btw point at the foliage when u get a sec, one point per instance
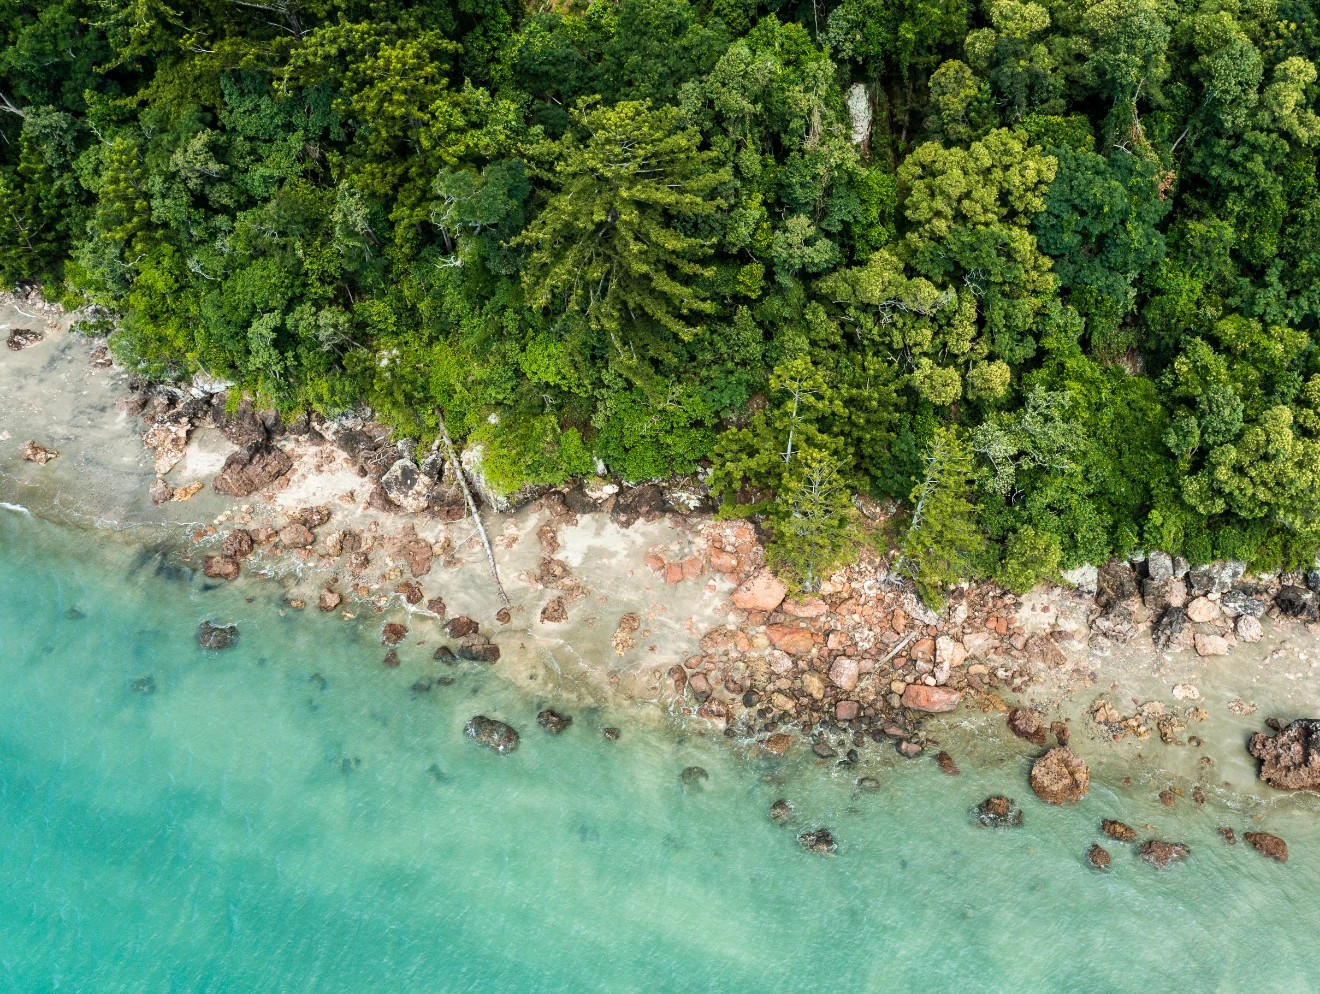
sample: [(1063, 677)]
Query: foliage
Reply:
[(944, 536)]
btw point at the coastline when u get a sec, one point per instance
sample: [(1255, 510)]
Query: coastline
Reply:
[(676, 573)]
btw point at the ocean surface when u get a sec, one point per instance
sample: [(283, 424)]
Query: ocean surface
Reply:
[(288, 815)]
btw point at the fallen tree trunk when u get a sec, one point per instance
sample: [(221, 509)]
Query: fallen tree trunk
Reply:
[(472, 505)]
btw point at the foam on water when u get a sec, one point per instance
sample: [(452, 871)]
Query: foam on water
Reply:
[(288, 816)]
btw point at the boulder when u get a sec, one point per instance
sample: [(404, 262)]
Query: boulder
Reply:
[(552, 721), (998, 812), (1237, 603), (393, 633), (296, 536), (479, 652), (1159, 566), (843, 673), (1172, 630), (1248, 629), (554, 612), (808, 607), (1027, 723), (1115, 583), (408, 486), (791, 639), (311, 517), (818, 841), (778, 744), (253, 467), (1295, 602), (947, 765), (211, 636), (328, 600), (911, 750), (1215, 578), (1161, 595), (1203, 610), (1162, 854), (782, 813), (763, 592), (38, 454), (170, 440), (1060, 777), (1267, 845), (1117, 831), (949, 652), (1290, 760), (936, 700), (220, 567), (161, 492), (22, 338), (436, 606), (241, 425), (1098, 857), (461, 627), (1211, 645), (237, 544), (1060, 732), (491, 733)]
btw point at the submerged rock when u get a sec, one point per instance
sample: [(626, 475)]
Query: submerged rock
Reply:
[(947, 765), (998, 812), (1161, 854), (38, 454), (220, 568), (819, 841), (211, 636), (1060, 777), (1027, 723), (1228, 835), (692, 778), (868, 783), (144, 685), (479, 652), (461, 627), (1118, 831), (1267, 845), (393, 633), (782, 812), (491, 733), (444, 654), (1290, 760), (1098, 857), (610, 733), (553, 722), (237, 544)]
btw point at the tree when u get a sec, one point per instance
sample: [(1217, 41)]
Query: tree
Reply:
[(943, 538), (811, 520), (610, 247)]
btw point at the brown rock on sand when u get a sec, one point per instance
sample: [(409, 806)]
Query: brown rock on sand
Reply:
[(39, 454), (1267, 845), (1060, 732), (254, 466), (1060, 777), (1290, 760), (554, 612), (763, 592), (919, 697), (237, 544)]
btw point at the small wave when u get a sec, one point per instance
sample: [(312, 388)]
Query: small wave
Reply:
[(15, 507)]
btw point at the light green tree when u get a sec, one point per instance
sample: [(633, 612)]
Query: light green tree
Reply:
[(944, 538)]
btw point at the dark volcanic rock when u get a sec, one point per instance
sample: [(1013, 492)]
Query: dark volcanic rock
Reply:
[(445, 654), (1118, 831), (646, 502), (819, 841), (1027, 723), (1267, 845), (254, 466), (1215, 578), (489, 732), (1171, 631), (1290, 760), (782, 813), (998, 812), (1163, 853), (553, 722), (1060, 777), (1098, 857), (1296, 602), (211, 636), (241, 426)]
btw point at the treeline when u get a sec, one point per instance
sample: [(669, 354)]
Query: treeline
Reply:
[(1048, 273)]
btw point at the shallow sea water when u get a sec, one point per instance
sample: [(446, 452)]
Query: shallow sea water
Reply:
[(288, 816)]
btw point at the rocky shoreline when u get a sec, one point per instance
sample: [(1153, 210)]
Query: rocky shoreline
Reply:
[(859, 665)]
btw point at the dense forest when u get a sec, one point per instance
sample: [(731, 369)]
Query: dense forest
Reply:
[(1046, 273)]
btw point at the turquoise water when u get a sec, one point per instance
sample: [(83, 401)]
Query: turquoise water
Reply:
[(289, 816)]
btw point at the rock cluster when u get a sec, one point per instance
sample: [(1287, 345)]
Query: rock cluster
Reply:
[(1162, 854), (1290, 760)]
